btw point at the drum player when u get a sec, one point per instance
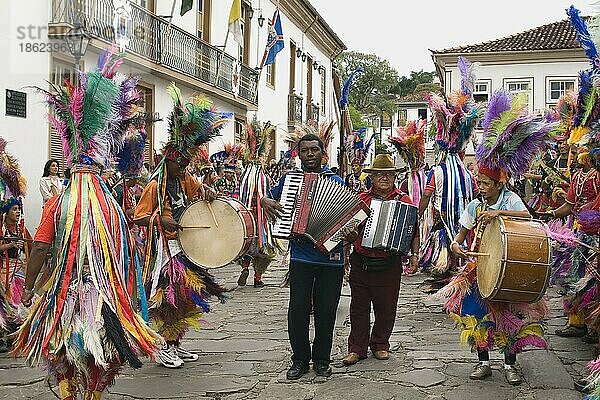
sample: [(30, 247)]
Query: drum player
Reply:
[(178, 288), (485, 323), (475, 314)]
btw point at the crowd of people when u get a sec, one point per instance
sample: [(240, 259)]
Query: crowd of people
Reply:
[(104, 280)]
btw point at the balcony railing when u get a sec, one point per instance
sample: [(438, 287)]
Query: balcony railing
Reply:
[(294, 109), (312, 112), (153, 38)]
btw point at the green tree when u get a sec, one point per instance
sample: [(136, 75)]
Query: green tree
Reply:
[(356, 118), (408, 84), (371, 91)]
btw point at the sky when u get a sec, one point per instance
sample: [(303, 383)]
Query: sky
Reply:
[(402, 31)]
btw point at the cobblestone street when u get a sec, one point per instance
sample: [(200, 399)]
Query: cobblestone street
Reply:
[(244, 354)]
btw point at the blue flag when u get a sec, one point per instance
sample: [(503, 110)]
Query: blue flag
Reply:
[(346, 87), (275, 42)]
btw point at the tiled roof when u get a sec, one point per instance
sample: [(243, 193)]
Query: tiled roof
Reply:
[(554, 36)]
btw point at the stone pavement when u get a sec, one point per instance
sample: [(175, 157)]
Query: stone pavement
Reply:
[(244, 354)]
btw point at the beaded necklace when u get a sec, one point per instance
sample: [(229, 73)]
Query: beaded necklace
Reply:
[(579, 185)]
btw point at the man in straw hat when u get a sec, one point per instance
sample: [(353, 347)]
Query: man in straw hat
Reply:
[(375, 274)]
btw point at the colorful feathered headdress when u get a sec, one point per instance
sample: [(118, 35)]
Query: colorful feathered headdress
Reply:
[(511, 137), (586, 121), (191, 123), (324, 131), (410, 143), (130, 160), (229, 156), (13, 185), (256, 141), (358, 145), (455, 120), (91, 117)]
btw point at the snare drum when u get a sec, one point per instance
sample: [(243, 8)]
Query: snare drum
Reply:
[(514, 265), (210, 246)]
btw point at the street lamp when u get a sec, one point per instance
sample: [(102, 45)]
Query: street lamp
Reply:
[(261, 20), (77, 39)]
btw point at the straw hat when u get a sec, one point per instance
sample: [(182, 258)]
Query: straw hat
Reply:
[(382, 162)]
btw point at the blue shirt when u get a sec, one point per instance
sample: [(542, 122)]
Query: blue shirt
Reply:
[(506, 201), (303, 250)]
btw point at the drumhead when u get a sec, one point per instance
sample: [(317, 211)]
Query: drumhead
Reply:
[(489, 268), (215, 246)]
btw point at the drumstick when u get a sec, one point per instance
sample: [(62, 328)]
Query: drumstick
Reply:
[(212, 213), (196, 226), (474, 254), (15, 239)]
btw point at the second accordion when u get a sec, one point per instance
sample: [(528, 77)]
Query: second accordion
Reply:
[(391, 226), (318, 208)]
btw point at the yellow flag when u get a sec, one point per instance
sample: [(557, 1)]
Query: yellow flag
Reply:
[(236, 11), (235, 17)]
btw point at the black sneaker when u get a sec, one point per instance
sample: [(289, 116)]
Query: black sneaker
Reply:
[(591, 337), (297, 369), (243, 276), (582, 385), (322, 368)]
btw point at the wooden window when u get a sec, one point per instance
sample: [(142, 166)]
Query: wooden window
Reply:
[(521, 85), (309, 88), (482, 91), (270, 72), (323, 91), (292, 67), (556, 88), (203, 20), (147, 104), (147, 4), (244, 48)]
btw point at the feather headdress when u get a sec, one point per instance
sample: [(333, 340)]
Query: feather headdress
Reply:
[(13, 185), (410, 143), (130, 160), (230, 155), (511, 137), (256, 141), (586, 127), (358, 145), (324, 131), (455, 120), (90, 117), (191, 123)]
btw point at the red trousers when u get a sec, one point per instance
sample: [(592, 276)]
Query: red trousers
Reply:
[(381, 289)]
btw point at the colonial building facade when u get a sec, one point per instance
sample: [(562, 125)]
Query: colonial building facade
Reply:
[(162, 47)]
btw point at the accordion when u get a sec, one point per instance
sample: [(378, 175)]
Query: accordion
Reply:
[(317, 207), (391, 226)]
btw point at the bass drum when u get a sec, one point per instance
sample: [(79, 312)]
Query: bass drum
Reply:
[(213, 246), (515, 262)]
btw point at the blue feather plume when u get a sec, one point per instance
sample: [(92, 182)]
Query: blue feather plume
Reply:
[(583, 35), (346, 87)]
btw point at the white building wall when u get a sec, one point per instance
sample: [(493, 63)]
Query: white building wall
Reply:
[(27, 137), (273, 102), (539, 73)]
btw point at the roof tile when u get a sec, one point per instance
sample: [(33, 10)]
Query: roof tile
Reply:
[(557, 35)]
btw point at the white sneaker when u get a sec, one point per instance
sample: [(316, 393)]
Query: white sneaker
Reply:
[(186, 355), (167, 356)]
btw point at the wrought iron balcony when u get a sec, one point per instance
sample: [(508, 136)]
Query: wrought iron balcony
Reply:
[(312, 112), (153, 38), (294, 109)]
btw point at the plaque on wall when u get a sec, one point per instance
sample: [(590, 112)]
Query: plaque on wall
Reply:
[(16, 103)]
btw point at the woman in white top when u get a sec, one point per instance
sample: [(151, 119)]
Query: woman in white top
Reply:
[(51, 183)]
